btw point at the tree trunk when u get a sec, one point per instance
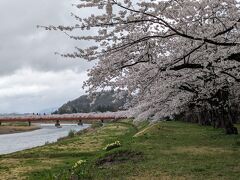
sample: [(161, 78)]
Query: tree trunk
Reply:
[(229, 127), (226, 121), (223, 119)]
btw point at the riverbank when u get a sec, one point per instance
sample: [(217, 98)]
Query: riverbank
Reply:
[(167, 150), (10, 129), (48, 133)]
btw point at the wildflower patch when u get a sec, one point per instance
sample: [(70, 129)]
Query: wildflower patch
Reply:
[(78, 164), (111, 146)]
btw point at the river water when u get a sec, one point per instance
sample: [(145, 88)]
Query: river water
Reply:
[(48, 133)]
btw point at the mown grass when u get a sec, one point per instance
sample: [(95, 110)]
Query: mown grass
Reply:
[(167, 150)]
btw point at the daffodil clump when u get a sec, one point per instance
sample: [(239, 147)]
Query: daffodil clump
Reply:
[(116, 144), (78, 163)]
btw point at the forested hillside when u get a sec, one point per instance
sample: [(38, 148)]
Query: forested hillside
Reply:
[(100, 102)]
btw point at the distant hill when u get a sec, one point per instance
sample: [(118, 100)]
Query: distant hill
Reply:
[(104, 101)]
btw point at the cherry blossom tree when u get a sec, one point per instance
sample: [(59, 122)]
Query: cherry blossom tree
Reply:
[(168, 54)]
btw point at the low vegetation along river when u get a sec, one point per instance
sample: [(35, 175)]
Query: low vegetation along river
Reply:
[(48, 133)]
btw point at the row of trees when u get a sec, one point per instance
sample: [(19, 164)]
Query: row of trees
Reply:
[(170, 55)]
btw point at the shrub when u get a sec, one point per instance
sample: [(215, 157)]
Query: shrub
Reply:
[(96, 125), (111, 146), (47, 143), (71, 133)]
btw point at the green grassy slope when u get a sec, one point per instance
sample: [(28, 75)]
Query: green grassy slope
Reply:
[(167, 150)]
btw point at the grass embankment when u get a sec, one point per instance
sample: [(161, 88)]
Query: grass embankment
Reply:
[(9, 128), (167, 150)]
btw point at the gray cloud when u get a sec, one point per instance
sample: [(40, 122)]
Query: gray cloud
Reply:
[(23, 44), (27, 54), (29, 90)]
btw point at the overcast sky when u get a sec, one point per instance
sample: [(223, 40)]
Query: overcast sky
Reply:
[(32, 77)]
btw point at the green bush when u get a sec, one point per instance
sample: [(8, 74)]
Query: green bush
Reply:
[(71, 133), (47, 143), (96, 125)]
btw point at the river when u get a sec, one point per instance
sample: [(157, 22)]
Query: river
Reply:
[(10, 143)]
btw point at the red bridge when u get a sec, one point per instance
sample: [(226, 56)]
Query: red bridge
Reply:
[(80, 118)]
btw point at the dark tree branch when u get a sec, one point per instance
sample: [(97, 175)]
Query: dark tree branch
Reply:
[(135, 63), (187, 87), (235, 57), (226, 30), (187, 66), (119, 48), (232, 76)]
